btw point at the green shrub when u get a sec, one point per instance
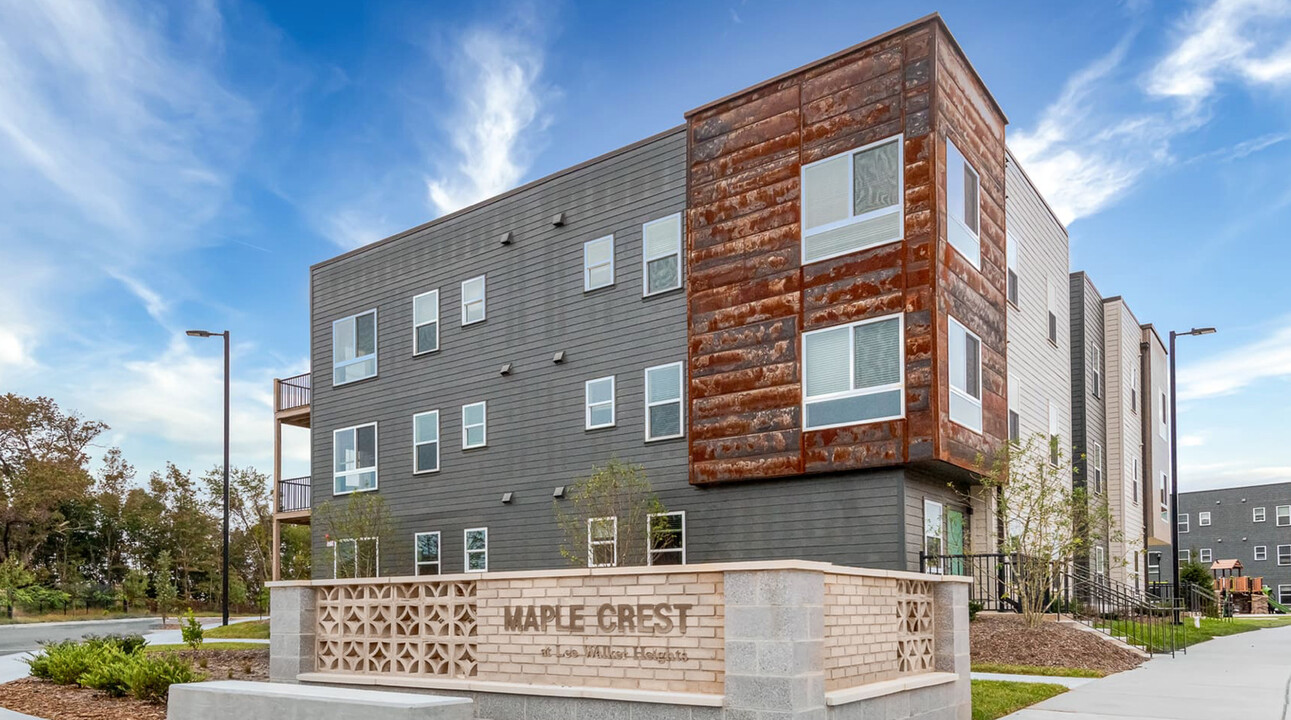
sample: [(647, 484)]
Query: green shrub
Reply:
[(128, 644), (191, 630), (63, 662), (974, 607), (110, 668), (149, 677)]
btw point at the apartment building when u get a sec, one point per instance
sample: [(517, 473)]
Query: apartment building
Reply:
[(790, 310), (1251, 524)]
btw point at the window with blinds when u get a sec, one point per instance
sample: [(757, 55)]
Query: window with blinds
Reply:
[(665, 416), (962, 205), (853, 373), (599, 403), (598, 263), (852, 201), (965, 351), (425, 322), (473, 300), (661, 254)]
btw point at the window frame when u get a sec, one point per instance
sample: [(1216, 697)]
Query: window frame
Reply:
[(439, 553), (950, 381), (934, 567), (376, 458), (1099, 486), (1096, 363), (336, 544), (852, 217), (613, 542), (1163, 427), (851, 370), (1134, 389), (650, 549), (1279, 515), (1284, 555), (1205, 555), (1055, 433), (1012, 265), (1203, 518), (1100, 562), (646, 259), (1136, 480), (374, 356), (1185, 556), (1261, 552), (484, 425), (1284, 593), (483, 301), (439, 443), (1259, 514), (587, 403), (587, 268), (466, 549), (417, 326), (681, 402), (1185, 523), (977, 179), (1052, 302)]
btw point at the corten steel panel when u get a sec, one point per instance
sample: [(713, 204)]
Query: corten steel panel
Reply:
[(750, 298)]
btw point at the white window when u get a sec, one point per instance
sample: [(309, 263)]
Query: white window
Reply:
[(473, 300), (477, 549), (1185, 556), (1134, 390), (598, 263), (965, 376), (963, 207), (933, 534), (667, 538), (356, 557), (1055, 302), (1055, 441), (354, 459), (1134, 479), (1184, 523), (1284, 555), (1165, 495), (1100, 561), (474, 425), (1257, 514), (1098, 469), (852, 200), (599, 401), (1096, 368), (1283, 515), (354, 348), (1284, 594), (425, 442), (854, 373), (602, 542), (1203, 519), (661, 254), (1204, 556), (1011, 257), (1163, 427), (1015, 426), (425, 323), (1261, 552), (664, 407), (425, 553)]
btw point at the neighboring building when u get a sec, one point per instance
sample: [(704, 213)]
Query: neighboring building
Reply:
[(1155, 371), (1251, 524)]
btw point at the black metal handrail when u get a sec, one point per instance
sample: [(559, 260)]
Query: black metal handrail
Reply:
[(293, 494), (994, 585), (293, 392)]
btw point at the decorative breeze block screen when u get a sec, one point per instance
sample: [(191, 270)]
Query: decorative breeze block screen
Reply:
[(876, 629)]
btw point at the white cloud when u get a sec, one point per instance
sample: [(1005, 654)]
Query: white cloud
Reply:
[(351, 227), (1194, 440), (497, 128), (156, 306), (1240, 367)]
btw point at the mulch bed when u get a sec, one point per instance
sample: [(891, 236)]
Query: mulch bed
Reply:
[(1006, 639), (67, 702)]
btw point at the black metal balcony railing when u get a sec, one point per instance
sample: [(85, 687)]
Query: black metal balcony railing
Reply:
[(293, 392), (293, 494)]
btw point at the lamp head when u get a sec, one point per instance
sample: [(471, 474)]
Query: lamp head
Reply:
[(199, 333), (1201, 331)]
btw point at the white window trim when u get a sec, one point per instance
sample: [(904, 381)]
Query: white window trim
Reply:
[(1163, 426), (647, 259), (1012, 263), (1185, 556), (466, 551), (949, 218), (439, 554), (483, 301), (1284, 554), (1185, 523), (940, 510), (439, 443), (587, 404), (1203, 518), (1096, 365), (1261, 552), (1284, 594), (1165, 488), (484, 441), (852, 218), (954, 390), (1280, 516), (1134, 478), (681, 400), (416, 326), (650, 551), (587, 269), (851, 370), (1205, 555), (376, 458), (361, 358), (1259, 514), (355, 541), (593, 544), (1098, 469)]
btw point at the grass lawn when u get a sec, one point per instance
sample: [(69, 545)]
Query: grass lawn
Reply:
[(1038, 670), (1210, 628), (180, 647), (253, 629), (997, 698)]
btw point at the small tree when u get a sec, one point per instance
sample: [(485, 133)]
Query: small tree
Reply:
[(164, 590), (1047, 521), (357, 528), (13, 577), (605, 518), (191, 630), (134, 587)]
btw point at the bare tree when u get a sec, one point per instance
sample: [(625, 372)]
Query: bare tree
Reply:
[(606, 518), (357, 528)]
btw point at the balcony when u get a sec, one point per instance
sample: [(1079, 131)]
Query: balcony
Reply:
[(291, 398), (293, 499)]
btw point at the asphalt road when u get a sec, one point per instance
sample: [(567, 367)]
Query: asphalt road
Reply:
[(17, 638)]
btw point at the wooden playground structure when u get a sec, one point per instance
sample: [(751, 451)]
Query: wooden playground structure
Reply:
[(1244, 594)]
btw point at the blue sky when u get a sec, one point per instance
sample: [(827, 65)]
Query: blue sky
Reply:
[(173, 166)]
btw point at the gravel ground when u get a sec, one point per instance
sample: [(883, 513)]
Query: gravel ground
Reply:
[(1006, 639)]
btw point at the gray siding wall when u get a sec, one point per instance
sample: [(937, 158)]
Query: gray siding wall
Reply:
[(1088, 407), (920, 486), (1233, 534), (1122, 336), (1156, 437)]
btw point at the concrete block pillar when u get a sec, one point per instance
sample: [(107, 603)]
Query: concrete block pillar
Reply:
[(775, 639), (950, 640), (292, 614)]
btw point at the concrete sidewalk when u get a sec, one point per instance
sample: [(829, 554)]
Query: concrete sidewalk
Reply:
[(1243, 676)]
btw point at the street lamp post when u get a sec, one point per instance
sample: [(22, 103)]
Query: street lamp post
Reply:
[(224, 600), (1174, 462)]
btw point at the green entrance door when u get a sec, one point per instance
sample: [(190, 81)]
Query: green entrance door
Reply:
[(955, 540)]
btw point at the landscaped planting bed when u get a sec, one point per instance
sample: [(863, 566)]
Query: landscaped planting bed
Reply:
[(1006, 640)]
